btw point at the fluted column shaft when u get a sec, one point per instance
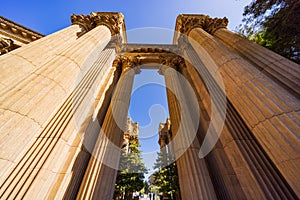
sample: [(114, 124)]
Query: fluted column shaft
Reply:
[(79, 134), (35, 106), (280, 69), (17, 65), (99, 180), (194, 179), (224, 179), (265, 107)]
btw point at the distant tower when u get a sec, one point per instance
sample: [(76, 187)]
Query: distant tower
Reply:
[(164, 131), (165, 136), (131, 133)]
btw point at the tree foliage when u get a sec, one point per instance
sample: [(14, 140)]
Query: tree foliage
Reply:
[(130, 177), (274, 24), (166, 176)]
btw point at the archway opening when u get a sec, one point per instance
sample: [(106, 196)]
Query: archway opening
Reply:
[(148, 111)]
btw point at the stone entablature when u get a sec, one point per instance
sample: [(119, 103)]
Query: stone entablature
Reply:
[(13, 35), (18, 33), (148, 56), (148, 48)]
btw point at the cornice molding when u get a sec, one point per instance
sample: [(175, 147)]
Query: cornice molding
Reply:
[(18, 32), (187, 22), (114, 21), (148, 48)]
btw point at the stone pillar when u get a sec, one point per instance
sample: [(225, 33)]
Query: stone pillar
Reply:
[(79, 135), (194, 179), (278, 68), (21, 63), (99, 180), (268, 111), (38, 108), (223, 176)]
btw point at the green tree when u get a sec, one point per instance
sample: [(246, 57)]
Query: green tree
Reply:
[(274, 24), (166, 176), (130, 177)]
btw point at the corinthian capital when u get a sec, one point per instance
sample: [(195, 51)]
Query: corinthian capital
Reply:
[(85, 22), (187, 22), (127, 63), (174, 62), (216, 23), (114, 21)]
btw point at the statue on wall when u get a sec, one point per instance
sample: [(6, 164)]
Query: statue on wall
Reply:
[(6, 45)]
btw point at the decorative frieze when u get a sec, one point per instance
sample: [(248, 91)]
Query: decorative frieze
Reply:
[(13, 35), (148, 48)]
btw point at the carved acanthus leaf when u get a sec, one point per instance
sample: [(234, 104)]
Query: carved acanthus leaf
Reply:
[(174, 62), (85, 22), (127, 62), (186, 23), (214, 24), (113, 21)]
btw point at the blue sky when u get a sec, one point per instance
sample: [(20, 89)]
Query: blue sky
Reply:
[(148, 106), (47, 16), (148, 103)]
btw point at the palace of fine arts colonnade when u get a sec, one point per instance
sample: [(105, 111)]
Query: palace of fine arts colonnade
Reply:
[(233, 105)]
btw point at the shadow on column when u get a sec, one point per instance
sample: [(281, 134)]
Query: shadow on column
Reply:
[(83, 158)]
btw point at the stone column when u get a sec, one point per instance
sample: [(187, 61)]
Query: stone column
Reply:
[(279, 69), (31, 112), (270, 113), (210, 94), (76, 141), (99, 180), (21, 63), (194, 179)]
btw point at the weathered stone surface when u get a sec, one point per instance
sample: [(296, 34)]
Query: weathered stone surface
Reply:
[(281, 70), (57, 93), (257, 100)]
